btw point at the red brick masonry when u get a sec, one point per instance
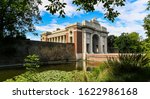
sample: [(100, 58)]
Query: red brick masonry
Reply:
[(100, 57)]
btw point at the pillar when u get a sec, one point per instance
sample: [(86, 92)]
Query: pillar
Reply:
[(57, 39), (105, 44), (54, 39), (91, 44), (101, 44), (84, 45), (63, 38)]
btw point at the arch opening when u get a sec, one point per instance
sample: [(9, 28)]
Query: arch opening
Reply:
[(95, 43)]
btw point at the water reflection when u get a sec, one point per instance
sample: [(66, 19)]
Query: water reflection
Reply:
[(6, 73)]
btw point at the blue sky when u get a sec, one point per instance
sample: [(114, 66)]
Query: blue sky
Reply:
[(130, 19)]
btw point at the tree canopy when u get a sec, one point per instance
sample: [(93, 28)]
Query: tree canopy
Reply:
[(111, 43), (147, 22), (88, 6), (128, 42), (18, 17)]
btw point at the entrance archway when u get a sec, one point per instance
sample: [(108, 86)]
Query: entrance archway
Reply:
[(95, 43)]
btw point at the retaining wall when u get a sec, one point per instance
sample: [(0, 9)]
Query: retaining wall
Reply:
[(14, 51), (100, 57)]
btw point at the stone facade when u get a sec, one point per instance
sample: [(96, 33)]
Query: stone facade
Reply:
[(89, 37)]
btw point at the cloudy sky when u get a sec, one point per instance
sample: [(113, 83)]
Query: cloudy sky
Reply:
[(130, 19)]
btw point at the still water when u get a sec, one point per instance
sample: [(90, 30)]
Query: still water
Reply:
[(7, 73)]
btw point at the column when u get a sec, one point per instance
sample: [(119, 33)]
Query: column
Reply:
[(84, 45), (56, 39), (101, 45), (105, 44), (61, 39), (91, 44)]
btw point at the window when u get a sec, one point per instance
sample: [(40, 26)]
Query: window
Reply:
[(87, 48), (71, 41), (70, 32)]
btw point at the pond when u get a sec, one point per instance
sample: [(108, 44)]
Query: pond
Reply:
[(7, 73)]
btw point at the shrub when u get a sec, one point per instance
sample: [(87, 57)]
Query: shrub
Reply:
[(32, 62), (127, 67)]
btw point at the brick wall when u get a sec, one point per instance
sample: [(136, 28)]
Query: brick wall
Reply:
[(100, 57), (79, 42), (14, 52)]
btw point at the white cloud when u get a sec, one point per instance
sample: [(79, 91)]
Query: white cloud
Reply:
[(133, 11), (120, 27), (70, 9), (42, 6), (51, 27), (34, 38), (130, 19)]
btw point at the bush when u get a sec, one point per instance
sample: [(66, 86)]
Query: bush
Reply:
[(127, 67), (32, 62)]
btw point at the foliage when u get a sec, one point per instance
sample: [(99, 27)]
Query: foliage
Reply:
[(32, 62), (148, 6), (111, 43), (129, 67), (87, 5), (25, 77), (18, 17), (50, 76), (146, 45), (147, 21), (147, 25), (128, 42), (56, 6)]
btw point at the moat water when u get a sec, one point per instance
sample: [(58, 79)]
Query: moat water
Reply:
[(7, 73)]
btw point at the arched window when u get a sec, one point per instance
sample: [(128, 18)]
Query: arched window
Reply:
[(70, 32)]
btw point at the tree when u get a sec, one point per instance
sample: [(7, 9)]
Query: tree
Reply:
[(18, 17), (146, 45), (147, 25), (128, 43), (111, 43), (87, 5), (147, 22)]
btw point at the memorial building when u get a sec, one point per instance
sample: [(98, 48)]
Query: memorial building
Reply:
[(89, 37)]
